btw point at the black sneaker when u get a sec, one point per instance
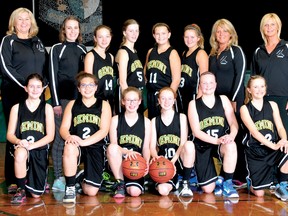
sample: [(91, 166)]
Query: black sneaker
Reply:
[(19, 197), (12, 189), (119, 189), (70, 195)]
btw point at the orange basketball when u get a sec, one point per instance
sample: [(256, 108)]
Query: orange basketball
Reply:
[(134, 168), (161, 170)]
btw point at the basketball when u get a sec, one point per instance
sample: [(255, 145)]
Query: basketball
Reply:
[(161, 170), (134, 168)]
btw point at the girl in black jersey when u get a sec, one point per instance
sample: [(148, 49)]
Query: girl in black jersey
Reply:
[(99, 62), (169, 140), (130, 69), (84, 128), (66, 60), (266, 141), (194, 61), (214, 127), (162, 67), (129, 135), (31, 128)]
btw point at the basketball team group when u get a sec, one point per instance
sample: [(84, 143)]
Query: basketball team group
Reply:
[(192, 108)]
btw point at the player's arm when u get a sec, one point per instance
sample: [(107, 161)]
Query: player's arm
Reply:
[(103, 131), (153, 140), (248, 122), (146, 64), (183, 136), (66, 124), (230, 116), (12, 125), (202, 61), (89, 62), (122, 59), (175, 64), (113, 133), (50, 129), (195, 125), (146, 149)]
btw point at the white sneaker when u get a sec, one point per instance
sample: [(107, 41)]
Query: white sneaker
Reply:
[(186, 191)]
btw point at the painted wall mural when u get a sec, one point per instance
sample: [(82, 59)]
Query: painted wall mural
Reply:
[(89, 12)]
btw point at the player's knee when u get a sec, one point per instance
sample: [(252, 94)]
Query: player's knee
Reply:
[(112, 149), (134, 191), (259, 193), (164, 189)]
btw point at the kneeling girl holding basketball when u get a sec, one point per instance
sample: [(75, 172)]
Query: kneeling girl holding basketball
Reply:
[(169, 133), (129, 136)]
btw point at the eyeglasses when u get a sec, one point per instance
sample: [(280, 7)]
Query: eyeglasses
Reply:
[(131, 101), (90, 85)]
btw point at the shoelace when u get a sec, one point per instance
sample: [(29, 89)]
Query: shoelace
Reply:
[(185, 186), (70, 190)]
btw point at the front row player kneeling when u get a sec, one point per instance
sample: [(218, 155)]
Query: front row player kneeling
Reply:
[(169, 139), (214, 128), (265, 147), (129, 136), (31, 141), (84, 128)]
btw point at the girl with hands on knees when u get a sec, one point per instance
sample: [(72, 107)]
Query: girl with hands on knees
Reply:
[(85, 128), (31, 128), (266, 144)]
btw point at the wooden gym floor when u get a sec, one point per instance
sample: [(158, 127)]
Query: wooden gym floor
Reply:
[(148, 204)]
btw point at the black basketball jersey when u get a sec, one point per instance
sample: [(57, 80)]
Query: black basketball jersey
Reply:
[(131, 137), (212, 120), (103, 70), (264, 122), (135, 74), (168, 137), (86, 120), (189, 75), (158, 69), (31, 125)]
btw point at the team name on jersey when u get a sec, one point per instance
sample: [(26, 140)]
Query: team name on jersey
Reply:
[(32, 126), (86, 118), (186, 69), (135, 65), (135, 140), (158, 65), (107, 70), (264, 124), (169, 138), (211, 121)]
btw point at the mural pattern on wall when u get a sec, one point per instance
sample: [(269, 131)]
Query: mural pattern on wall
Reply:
[(89, 12)]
